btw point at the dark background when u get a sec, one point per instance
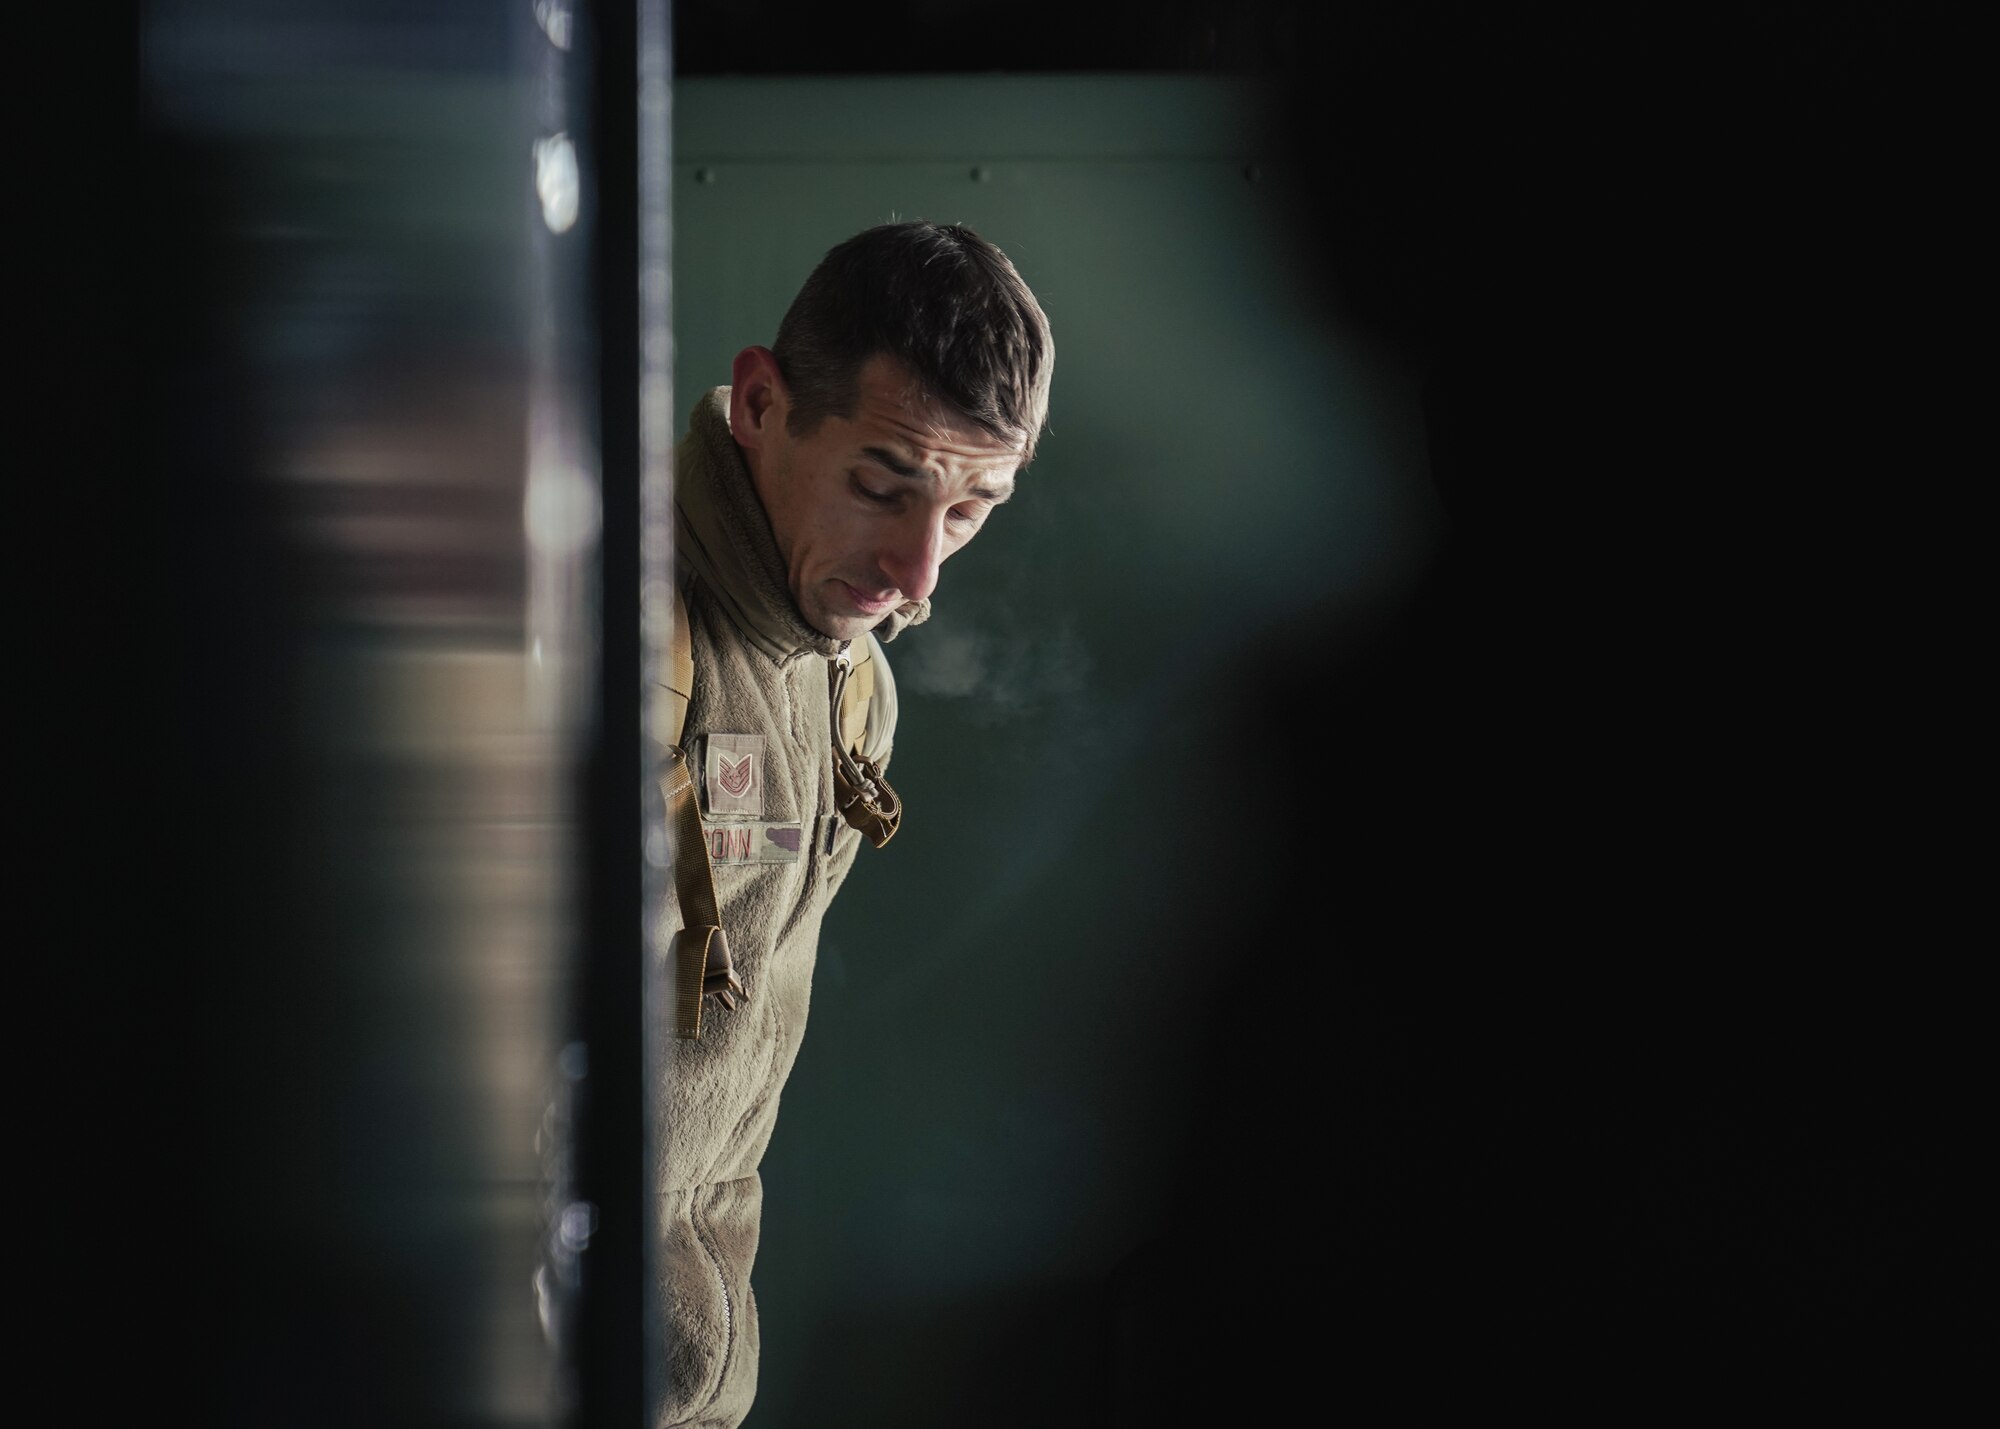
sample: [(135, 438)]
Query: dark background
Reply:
[(1652, 1027), (1626, 1056)]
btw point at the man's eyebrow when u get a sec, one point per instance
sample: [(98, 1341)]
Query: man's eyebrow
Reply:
[(985, 491), (889, 460)]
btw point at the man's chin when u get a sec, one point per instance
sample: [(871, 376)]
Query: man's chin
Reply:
[(844, 618), (845, 625)]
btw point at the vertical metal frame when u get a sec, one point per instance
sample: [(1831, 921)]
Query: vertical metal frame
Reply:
[(614, 1358), (656, 430)]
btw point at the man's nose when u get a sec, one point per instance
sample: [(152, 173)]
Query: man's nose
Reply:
[(911, 558)]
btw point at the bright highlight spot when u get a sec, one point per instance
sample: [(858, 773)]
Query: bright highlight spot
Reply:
[(562, 511), (556, 181), (554, 18)]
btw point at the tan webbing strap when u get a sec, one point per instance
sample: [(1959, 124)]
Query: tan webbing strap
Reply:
[(700, 950), (700, 939), (680, 682), (862, 795), (854, 698)]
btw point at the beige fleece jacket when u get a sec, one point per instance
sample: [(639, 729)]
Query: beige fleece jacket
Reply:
[(759, 733)]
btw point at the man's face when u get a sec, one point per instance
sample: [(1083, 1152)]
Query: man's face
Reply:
[(866, 508)]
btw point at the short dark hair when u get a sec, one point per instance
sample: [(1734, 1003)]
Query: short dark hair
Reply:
[(942, 301)]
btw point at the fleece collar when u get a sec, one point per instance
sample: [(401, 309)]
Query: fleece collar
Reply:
[(720, 529)]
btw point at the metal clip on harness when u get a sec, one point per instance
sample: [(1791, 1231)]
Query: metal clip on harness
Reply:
[(861, 793)]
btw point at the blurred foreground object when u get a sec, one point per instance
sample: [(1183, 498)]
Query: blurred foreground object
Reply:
[(339, 591)]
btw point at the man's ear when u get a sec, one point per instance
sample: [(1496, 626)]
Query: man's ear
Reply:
[(757, 397)]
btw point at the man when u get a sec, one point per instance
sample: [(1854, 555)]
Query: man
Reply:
[(815, 499)]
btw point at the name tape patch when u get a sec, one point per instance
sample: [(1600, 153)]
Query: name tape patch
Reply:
[(746, 841)]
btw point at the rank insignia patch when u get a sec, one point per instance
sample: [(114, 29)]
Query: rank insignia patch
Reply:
[(735, 774)]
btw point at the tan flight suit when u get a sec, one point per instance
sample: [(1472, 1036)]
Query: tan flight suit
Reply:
[(780, 853)]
